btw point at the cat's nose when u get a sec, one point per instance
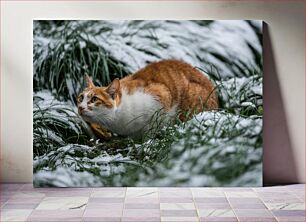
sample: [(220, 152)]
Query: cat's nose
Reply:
[(81, 108)]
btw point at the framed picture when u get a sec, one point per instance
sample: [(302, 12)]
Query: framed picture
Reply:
[(147, 103)]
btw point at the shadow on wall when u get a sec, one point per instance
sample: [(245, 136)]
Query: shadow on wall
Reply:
[(278, 161)]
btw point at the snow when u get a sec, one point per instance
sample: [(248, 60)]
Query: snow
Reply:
[(65, 177), (71, 165), (210, 158), (199, 44)]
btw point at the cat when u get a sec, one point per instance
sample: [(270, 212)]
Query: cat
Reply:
[(168, 88)]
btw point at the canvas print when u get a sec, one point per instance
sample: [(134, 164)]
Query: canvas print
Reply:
[(147, 103)]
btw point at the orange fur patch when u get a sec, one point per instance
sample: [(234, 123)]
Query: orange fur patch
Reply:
[(174, 83)]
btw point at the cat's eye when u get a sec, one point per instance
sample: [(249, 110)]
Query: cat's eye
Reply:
[(93, 99), (81, 97)]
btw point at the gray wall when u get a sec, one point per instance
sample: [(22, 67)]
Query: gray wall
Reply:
[(284, 77)]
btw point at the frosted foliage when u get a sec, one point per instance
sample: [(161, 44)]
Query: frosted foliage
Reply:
[(226, 45)]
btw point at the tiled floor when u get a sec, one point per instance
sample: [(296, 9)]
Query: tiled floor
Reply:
[(22, 202)]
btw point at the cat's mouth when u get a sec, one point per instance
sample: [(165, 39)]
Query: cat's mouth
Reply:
[(82, 110), (84, 113)]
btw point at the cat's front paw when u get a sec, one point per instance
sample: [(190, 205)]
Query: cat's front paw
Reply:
[(101, 132)]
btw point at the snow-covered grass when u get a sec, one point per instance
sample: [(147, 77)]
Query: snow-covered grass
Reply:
[(222, 148)]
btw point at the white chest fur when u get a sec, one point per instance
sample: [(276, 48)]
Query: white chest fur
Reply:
[(133, 115)]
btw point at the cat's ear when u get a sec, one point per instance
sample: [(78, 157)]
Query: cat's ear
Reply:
[(113, 88), (89, 82)]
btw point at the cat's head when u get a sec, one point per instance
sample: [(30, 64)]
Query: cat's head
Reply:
[(96, 104)]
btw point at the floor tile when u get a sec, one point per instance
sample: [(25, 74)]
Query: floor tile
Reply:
[(176, 200), (62, 193), (179, 219), (285, 206), (178, 213), (207, 192), (296, 187), (141, 206), (289, 213), (253, 219), (240, 194), (22, 201), (177, 206), (299, 194), (3, 200), (105, 200), (237, 189), (280, 200), (29, 200), (109, 193), (245, 200), (14, 215), (27, 187), (274, 197), (62, 203), (273, 193), (91, 205), (210, 200), (23, 194), (218, 219), (142, 200), (213, 205), (253, 213), (236, 205), (140, 219), (20, 206), (10, 186), (56, 213), (278, 189), (103, 213), (55, 219), (8, 193), (291, 219), (101, 219), (152, 213), (135, 192), (216, 213), (175, 192)]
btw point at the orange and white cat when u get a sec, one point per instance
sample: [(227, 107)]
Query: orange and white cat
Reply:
[(126, 106)]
